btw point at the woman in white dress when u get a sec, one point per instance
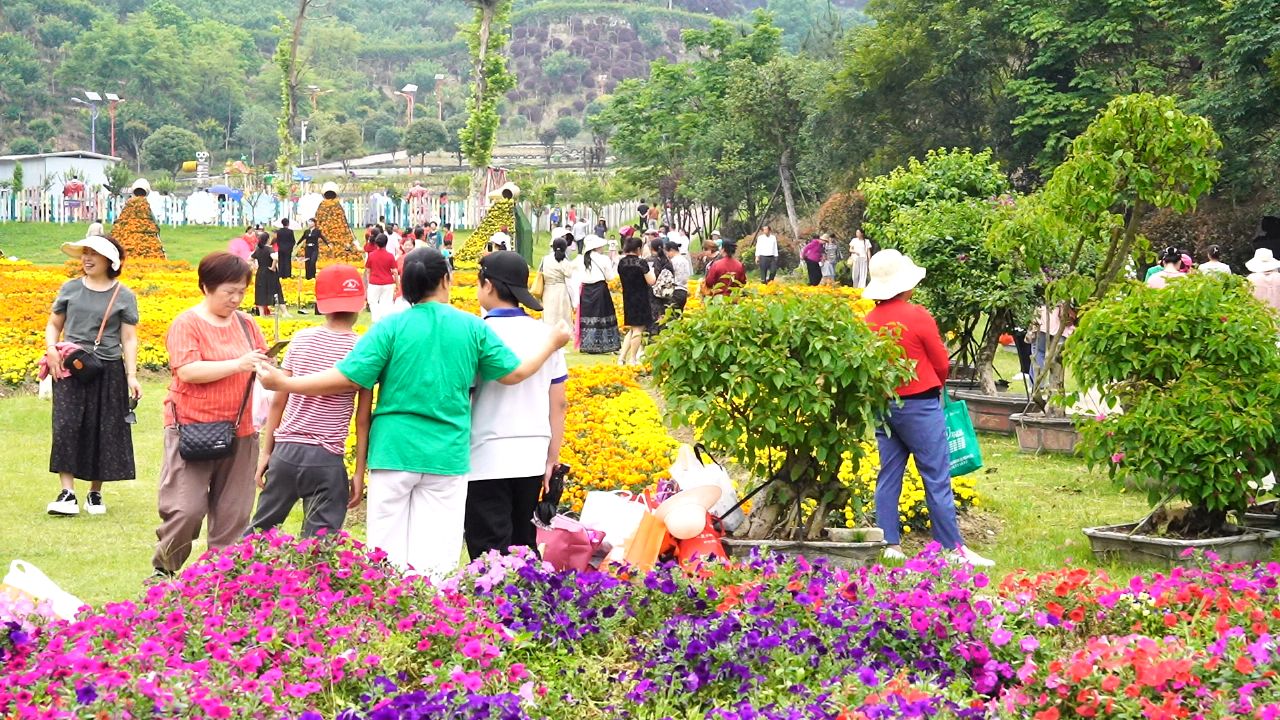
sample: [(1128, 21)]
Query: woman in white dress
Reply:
[(555, 271), (859, 254)]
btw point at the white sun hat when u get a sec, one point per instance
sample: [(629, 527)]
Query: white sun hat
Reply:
[(329, 187), (892, 274), (96, 243), (593, 242), (141, 184), (1263, 260)]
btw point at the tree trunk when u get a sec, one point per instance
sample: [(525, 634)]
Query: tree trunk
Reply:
[(985, 361), (486, 26), (292, 78), (784, 175)]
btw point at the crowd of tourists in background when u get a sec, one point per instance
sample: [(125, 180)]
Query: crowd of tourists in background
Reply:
[(486, 447)]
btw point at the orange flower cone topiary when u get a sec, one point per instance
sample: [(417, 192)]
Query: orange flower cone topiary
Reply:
[(332, 221), (136, 230)]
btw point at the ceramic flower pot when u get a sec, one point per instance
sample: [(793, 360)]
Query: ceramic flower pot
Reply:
[(1114, 542)]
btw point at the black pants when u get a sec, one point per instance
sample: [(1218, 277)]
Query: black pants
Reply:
[(500, 514), (308, 473), (285, 260), (815, 271), (768, 267)]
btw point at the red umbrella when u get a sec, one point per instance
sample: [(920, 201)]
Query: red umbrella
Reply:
[(72, 187)]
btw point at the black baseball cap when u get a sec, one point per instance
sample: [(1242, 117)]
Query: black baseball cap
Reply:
[(510, 269)]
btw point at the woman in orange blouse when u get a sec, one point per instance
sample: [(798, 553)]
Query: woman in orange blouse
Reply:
[(213, 350)]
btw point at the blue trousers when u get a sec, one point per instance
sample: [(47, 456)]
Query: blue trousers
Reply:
[(916, 427)]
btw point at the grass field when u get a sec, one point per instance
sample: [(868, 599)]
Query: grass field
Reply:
[(40, 242)]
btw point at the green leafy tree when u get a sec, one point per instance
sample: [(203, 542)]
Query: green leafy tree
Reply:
[(17, 180), (560, 63), (256, 132), (454, 124), (169, 147), (791, 84), (548, 137), (1195, 368), (24, 145), (341, 141), (1141, 153), (784, 385), (425, 136), (568, 128)]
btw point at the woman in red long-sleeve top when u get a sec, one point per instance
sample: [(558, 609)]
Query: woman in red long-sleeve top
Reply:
[(915, 425)]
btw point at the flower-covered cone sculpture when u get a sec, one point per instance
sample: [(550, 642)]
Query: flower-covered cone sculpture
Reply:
[(501, 214), (136, 229), (340, 244)]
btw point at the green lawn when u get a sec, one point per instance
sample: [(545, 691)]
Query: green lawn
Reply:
[(40, 242)]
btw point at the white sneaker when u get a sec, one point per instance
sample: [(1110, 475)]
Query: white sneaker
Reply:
[(973, 558), (93, 504), (893, 554), (65, 504)]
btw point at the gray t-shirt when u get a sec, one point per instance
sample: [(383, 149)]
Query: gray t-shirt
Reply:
[(83, 309)]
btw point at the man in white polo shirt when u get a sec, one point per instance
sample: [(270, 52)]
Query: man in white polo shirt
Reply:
[(516, 430)]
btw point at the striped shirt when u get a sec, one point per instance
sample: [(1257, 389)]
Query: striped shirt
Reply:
[(191, 338), (325, 420)]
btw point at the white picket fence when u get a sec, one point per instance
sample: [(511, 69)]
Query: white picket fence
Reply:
[(35, 205)]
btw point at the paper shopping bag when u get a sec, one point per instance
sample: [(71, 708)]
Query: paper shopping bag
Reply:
[(643, 548)]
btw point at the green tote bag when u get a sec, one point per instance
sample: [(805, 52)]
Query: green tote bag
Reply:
[(962, 439)]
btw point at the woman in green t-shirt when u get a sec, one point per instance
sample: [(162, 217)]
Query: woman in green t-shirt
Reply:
[(424, 362)]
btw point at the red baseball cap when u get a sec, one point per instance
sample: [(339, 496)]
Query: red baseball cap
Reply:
[(339, 289)]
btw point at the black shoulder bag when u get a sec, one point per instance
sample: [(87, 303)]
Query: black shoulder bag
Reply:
[(85, 365), (212, 440)]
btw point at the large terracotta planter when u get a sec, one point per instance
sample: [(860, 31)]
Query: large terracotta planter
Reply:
[(841, 554), (1114, 542), (991, 413), (1043, 434)]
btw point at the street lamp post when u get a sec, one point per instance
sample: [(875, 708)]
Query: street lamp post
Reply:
[(92, 104), (315, 92), (302, 154), (407, 93), (113, 100), (440, 98)]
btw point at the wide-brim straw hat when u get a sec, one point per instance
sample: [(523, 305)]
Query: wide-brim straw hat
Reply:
[(593, 242), (891, 274)]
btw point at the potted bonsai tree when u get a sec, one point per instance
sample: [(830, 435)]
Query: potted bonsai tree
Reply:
[(1141, 153), (1195, 371), (782, 383)]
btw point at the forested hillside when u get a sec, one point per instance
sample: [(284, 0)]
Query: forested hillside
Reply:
[(207, 67)]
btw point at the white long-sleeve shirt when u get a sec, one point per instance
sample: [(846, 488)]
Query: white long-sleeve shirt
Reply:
[(766, 246)]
